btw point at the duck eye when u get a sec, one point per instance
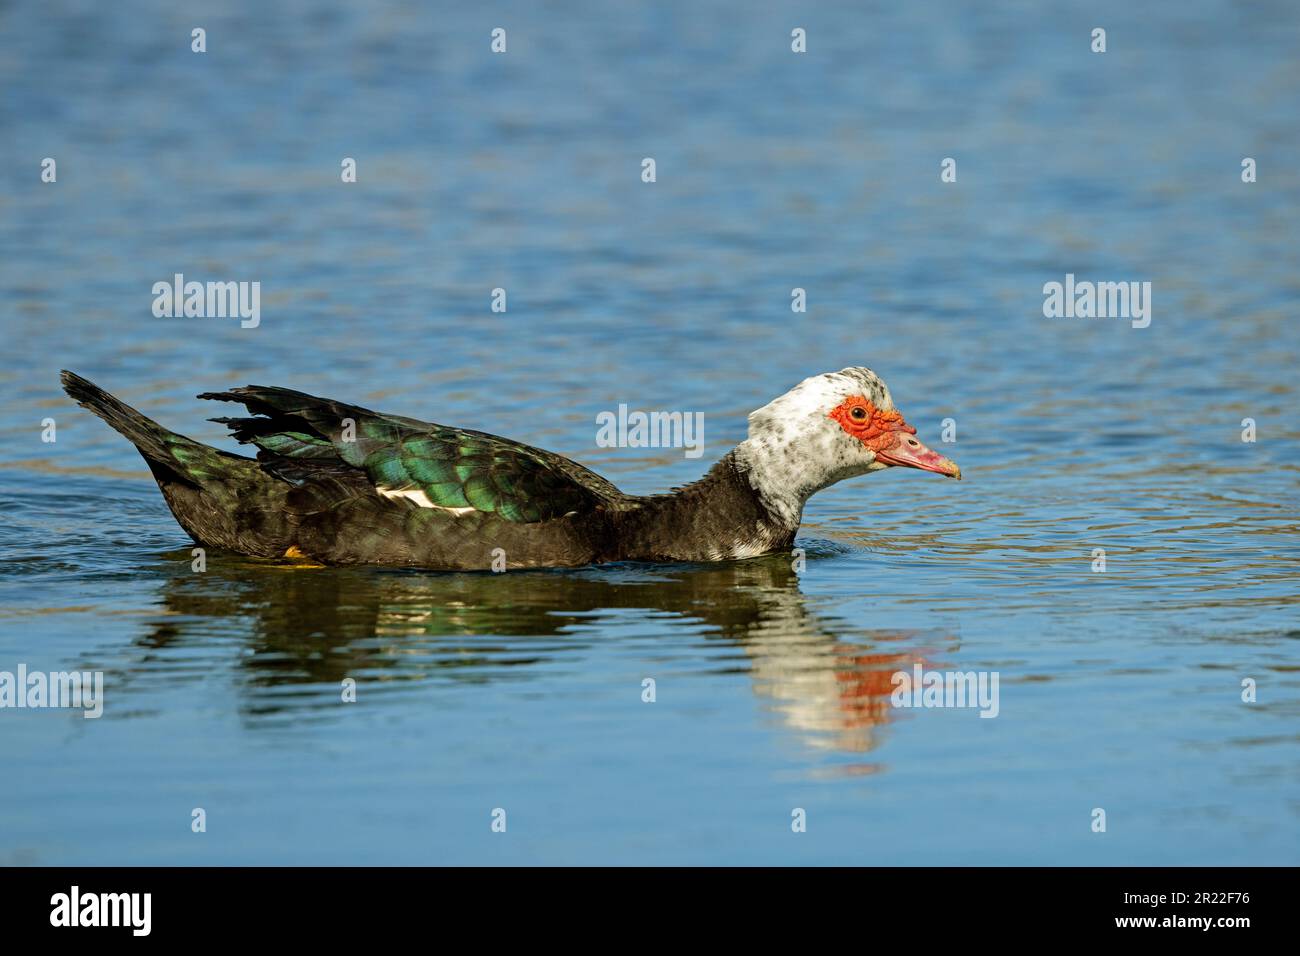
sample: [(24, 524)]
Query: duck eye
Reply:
[(858, 414)]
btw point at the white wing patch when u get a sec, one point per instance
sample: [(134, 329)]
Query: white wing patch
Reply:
[(420, 498)]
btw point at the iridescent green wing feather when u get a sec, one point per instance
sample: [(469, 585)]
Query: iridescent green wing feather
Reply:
[(452, 467)]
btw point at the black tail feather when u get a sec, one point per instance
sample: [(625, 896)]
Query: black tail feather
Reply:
[(145, 433), (219, 498)]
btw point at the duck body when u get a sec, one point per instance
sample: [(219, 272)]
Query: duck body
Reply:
[(340, 484)]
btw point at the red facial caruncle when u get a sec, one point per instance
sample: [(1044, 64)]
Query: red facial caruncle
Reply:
[(886, 434)]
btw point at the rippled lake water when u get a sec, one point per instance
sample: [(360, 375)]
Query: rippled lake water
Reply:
[(1120, 690)]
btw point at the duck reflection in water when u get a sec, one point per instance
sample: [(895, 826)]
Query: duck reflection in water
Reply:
[(318, 626)]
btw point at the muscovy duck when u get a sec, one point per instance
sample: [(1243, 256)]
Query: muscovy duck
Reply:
[(339, 484)]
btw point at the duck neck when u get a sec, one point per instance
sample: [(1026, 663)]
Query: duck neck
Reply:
[(722, 516)]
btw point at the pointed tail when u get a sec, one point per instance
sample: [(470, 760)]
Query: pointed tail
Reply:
[(221, 499), (145, 433)]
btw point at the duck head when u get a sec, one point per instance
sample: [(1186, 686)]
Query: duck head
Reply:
[(827, 428)]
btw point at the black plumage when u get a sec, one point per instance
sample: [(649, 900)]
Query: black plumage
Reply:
[(341, 484)]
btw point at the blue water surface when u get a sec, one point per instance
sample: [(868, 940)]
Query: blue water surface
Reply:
[(1120, 690)]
